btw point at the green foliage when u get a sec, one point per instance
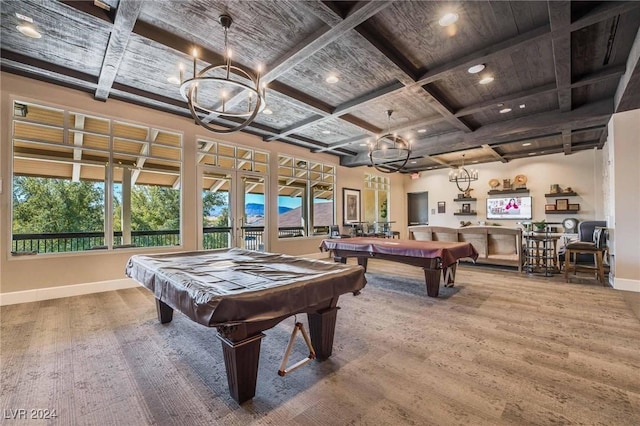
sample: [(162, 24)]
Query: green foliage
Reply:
[(211, 200), (383, 209), (42, 205), (154, 208)]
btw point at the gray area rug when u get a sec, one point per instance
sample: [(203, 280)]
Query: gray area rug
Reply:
[(498, 348)]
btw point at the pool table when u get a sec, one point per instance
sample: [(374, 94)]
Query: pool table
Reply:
[(432, 256), (242, 293)]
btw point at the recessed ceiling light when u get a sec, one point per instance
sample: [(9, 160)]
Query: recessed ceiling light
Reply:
[(448, 19), (267, 111), (505, 110), (28, 30), (475, 161), (332, 79), (486, 80), (422, 131), (413, 162), (22, 17), (173, 80), (363, 144), (500, 105), (532, 153), (475, 69), (526, 144), (326, 132), (522, 106)]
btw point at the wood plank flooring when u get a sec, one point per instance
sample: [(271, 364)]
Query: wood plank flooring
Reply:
[(499, 348)]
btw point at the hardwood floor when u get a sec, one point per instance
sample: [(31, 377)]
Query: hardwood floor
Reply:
[(499, 348)]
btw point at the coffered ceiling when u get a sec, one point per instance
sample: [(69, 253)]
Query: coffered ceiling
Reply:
[(559, 68)]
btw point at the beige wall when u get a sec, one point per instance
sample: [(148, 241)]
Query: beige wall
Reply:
[(43, 271), (623, 207), (580, 171)]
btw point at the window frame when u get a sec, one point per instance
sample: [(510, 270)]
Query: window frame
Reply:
[(69, 129)]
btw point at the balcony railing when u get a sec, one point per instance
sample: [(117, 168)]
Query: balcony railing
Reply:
[(213, 238)]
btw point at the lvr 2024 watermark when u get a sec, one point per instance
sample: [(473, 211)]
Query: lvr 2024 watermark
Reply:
[(28, 414)]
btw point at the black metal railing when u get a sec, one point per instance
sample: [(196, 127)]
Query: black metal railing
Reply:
[(80, 241), (213, 237)]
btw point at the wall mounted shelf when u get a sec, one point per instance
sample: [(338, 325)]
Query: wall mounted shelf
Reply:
[(462, 200), (561, 194), (562, 212), (508, 191), (465, 214)]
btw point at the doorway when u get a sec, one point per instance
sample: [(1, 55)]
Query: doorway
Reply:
[(234, 206), (418, 208)]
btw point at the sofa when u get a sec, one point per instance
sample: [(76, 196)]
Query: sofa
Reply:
[(496, 245)]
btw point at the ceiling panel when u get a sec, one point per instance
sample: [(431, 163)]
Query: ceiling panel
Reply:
[(69, 38), (358, 65), (413, 27), (541, 103), (261, 32), (337, 131), (407, 106)]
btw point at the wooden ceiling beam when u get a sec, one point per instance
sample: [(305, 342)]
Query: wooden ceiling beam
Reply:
[(317, 41), (514, 98), (485, 55), (441, 107), (628, 88), (126, 17), (566, 141), (389, 51), (342, 110), (437, 160), (607, 73), (600, 13), (341, 144), (522, 128), (90, 8), (560, 17), (314, 43), (494, 153)]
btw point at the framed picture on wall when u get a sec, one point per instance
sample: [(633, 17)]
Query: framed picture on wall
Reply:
[(441, 207), (466, 208), (562, 204), (549, 207), (350, 206)]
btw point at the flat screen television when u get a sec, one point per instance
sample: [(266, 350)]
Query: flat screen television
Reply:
[(509, 208)]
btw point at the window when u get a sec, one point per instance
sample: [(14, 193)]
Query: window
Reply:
[(375, 198), (68, 165), (233, 192), (305, 197)]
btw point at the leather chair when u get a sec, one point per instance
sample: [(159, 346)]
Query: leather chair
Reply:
[(587, 254)]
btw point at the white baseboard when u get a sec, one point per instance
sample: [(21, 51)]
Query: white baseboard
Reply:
[(35, 295), (625, 284)]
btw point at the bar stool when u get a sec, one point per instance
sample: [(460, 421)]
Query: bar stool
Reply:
[(595, 248)]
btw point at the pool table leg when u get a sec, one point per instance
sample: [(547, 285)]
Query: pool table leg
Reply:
[(322, 326), (432, 279), (165, 312), (241, 362)]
